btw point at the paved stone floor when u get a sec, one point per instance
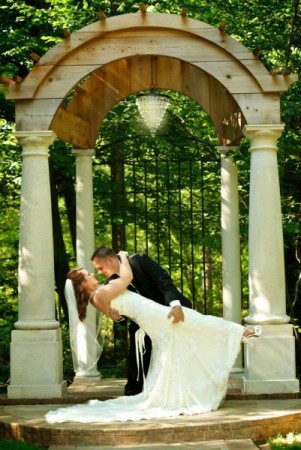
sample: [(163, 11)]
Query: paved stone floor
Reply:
[(238, 444), (238, 424)]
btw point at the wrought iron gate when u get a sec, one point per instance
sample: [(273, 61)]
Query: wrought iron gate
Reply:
[(170, 210)]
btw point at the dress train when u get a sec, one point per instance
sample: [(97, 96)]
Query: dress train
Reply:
[(189, 368)]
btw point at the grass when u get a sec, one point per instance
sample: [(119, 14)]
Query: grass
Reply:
[(289, 442), (6, 444)]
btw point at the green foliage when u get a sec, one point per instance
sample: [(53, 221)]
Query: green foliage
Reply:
[(36, 26), (112, 363), (67, 355), (290, 441), (289, 165), (10, 180), (6, 444)]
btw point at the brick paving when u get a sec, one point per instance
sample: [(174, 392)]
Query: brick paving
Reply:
[(234, 426), (238, 444)]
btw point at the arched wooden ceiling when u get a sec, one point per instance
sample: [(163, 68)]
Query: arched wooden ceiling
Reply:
[(110, 59), (113, 82)]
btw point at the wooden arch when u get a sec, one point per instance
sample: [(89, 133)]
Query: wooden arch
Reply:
[(101, 64)]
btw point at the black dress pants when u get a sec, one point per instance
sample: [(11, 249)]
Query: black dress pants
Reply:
[(134, 383)]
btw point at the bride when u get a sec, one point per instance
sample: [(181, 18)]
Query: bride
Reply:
[(190, 361)]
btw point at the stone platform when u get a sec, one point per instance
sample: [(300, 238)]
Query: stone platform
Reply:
[(240, 420)]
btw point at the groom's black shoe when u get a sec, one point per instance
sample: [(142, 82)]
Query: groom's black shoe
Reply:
[(132, 389)]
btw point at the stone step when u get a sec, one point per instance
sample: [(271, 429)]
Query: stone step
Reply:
[(236, 444), (237, 422), (255, 420)]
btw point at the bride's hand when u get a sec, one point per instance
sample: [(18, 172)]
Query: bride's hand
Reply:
[(125, 268), (123, 253)]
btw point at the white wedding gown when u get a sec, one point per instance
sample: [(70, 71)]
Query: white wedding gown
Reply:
[(188, 372)]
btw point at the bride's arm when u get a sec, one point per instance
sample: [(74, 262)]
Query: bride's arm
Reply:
[(103, 296)]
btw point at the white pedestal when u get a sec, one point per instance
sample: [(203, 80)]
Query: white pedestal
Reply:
[(36, 364), (87, 377), (270, 366)]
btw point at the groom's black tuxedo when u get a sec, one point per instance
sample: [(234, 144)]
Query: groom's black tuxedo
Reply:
[(153, 282)]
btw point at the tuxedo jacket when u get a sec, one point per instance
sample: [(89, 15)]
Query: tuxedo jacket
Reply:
[(153, 282)]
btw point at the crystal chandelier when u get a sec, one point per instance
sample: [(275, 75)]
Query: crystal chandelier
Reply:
[(152, 106)]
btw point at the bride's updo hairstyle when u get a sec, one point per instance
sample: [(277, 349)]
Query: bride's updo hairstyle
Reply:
[(77, 276)]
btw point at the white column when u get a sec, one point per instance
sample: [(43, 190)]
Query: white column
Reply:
[(230, 244), (266, 271), (266, 255), (36, 347), (85, 247)]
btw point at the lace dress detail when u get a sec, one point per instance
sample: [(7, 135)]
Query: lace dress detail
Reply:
[(188, 372)]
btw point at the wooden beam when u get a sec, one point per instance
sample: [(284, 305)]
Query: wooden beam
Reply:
[(66, 32), (34, 57), (274, 71), (184, 12), (17, 79), (286, 71), (101, 15), (256, 51), (142, 8), (71, 128), (222, 26)]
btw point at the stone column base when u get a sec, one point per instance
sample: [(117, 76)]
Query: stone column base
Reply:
[(270, 386), (87, 376), (36, 364), (270, 366), (46, 391)]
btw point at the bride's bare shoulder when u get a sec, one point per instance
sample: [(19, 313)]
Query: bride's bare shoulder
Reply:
[(107, 292)]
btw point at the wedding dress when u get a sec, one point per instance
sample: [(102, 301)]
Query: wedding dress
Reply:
[(189, 367)]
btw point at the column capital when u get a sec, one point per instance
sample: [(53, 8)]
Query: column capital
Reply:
[(35, 138), (269, 130), (83, 152), (224, 149)]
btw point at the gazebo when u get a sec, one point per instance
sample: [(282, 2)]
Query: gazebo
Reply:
[(67, 95)]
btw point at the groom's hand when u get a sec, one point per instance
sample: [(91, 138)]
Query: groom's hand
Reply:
[(176, 314)]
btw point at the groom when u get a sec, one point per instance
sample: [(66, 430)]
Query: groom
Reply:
[(151, 281)]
